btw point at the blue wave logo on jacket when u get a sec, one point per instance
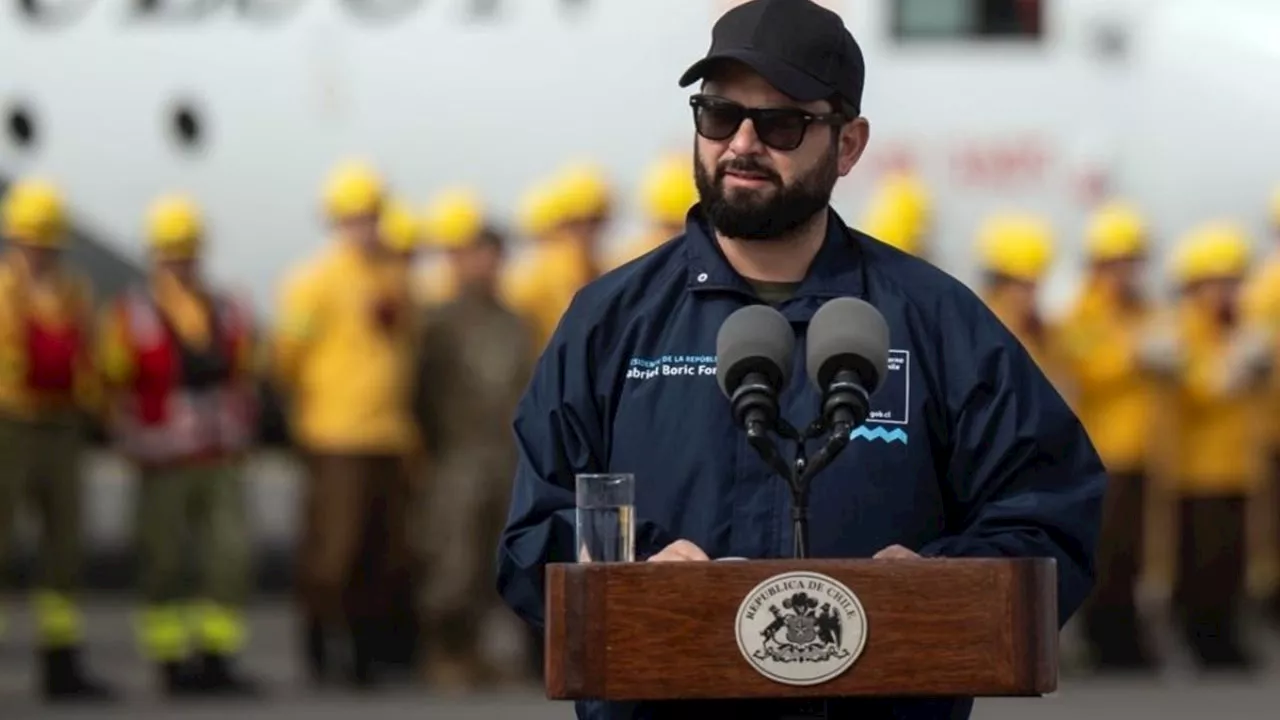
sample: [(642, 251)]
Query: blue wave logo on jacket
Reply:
[(878, 432)]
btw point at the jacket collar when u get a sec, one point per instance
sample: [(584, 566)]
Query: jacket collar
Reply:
[(837, 270)]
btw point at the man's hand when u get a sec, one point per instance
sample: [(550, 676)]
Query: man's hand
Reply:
[(680, 551), (895, 552)]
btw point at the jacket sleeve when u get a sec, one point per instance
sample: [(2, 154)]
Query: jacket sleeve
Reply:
[(299, 317), (1022, 478), (560, 431)]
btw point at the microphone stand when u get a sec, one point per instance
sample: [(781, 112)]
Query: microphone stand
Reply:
[(799, 475)]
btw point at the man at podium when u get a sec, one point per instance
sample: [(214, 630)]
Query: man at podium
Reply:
[(966, 451)]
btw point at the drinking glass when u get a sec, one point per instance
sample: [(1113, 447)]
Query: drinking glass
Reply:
[(605, 520)]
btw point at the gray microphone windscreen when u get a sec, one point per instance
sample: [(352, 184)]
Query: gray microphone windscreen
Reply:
[(755, 338), (847, 333)]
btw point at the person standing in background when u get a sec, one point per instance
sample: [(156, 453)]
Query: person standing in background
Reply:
[(398, 631), (566, 219), (343, 357), (47, 382), (1101, 338), (1262, 298), (476, 356), (1016, 251), (666, 194), (1214, 362), (178, 360)]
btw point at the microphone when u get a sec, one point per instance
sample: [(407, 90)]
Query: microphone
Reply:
[(753, 362), (847, 356)]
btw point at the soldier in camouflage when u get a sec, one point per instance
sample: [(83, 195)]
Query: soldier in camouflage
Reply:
[(476, 356)]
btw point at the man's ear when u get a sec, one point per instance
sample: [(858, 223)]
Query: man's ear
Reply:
[(854, 136)]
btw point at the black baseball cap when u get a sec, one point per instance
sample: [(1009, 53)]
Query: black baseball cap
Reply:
[(800, 47)]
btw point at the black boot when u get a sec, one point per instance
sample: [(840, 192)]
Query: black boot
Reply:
[(315, 651), (222, 678), (180, 679), (64, 678), (364, 654)]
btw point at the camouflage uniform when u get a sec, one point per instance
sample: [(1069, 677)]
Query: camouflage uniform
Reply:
[(476, 357)]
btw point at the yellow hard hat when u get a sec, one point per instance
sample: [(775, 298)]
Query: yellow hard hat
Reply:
[(174, 226), (668, 190), (893, 228), (454, 218), (541, 210), (34, 214), (1218, 250), (398, 228), (1116, 232), (903, 193), (354, 189), (584, 191), (1016, 246)]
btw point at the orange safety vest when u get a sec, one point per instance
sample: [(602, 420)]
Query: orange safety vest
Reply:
[(184, 404)]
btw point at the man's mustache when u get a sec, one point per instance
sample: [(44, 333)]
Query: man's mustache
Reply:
[(743, 165)]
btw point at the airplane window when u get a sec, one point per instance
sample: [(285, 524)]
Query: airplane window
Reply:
[(186, 126), (917, 20), (20, 126)]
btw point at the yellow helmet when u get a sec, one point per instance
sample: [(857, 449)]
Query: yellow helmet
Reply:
[(1116, 232), (398, 228), (541, 210), (354, 189), (1218, 250), (893, 228), (903, 193), (454, 218), (1016, 246), (33, 214), (584, 191), (668, 190), (174, 226)]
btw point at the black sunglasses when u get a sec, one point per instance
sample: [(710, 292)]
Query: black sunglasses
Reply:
[(783, 129)]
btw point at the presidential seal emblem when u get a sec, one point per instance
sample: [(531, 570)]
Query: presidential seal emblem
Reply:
[(801, 628)]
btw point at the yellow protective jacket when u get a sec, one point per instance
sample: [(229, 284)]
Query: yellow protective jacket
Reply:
[(1262, 305), (1037, 337), (342, 353), (1101, 341), (63, 305), (542, 288), (1209, 417)]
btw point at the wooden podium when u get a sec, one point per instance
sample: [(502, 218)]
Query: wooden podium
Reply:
[(785, 628)]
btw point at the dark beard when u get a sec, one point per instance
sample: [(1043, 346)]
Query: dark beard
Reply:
[(747, 216)]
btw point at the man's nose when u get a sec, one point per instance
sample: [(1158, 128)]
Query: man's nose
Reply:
[(746, 141)]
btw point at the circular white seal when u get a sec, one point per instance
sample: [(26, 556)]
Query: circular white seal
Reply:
[(801, 628)]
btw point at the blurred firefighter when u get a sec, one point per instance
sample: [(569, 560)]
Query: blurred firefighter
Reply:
[(1263, 300), (397, 634), (1214, 363), (901, 214), (667, 191), (1016, 252), (452, 218), (1101, 337), (47, 383), (178, 359), (476, 358), (343, 355), (566, 219)]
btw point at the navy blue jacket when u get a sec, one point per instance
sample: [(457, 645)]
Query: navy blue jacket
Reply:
[(971, 451)]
